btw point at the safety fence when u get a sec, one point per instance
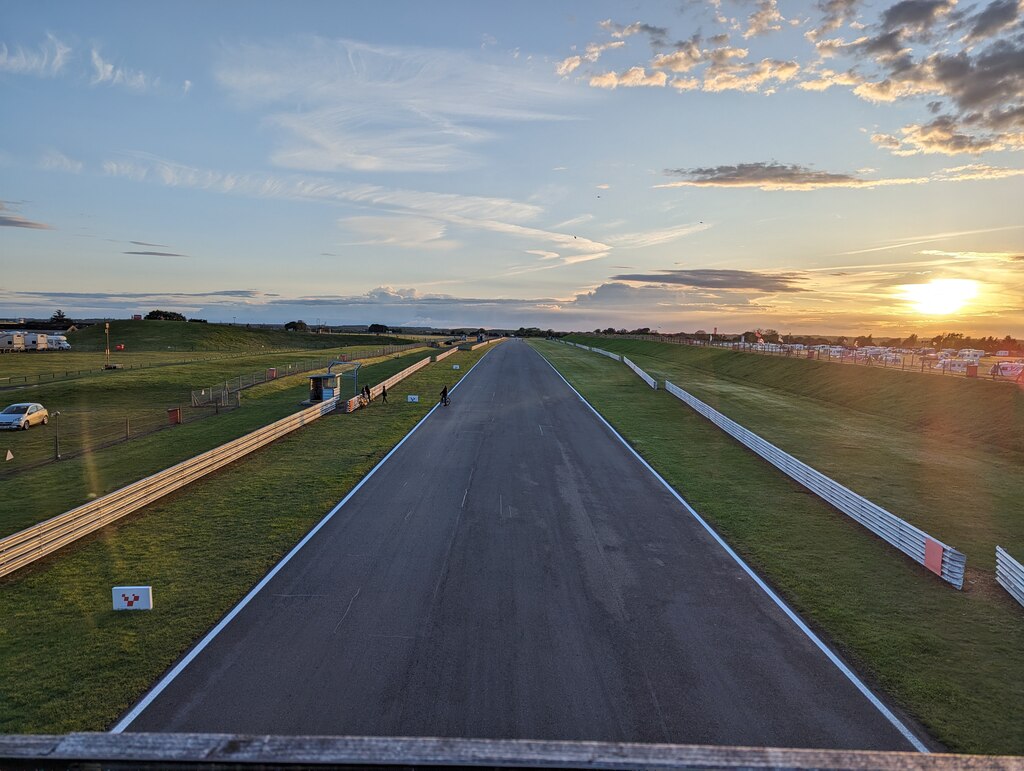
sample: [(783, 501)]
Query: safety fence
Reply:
[(474, 346), (609, 354), (643, 375), (220, 393), (16, 381), (941, 559), (353, 404), (36, 542), (446, 354), (77, 432), (31, 544), (1010, 574)]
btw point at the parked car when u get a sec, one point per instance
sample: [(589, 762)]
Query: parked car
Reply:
[(23, 415)]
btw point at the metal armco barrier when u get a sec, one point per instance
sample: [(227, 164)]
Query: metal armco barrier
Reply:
[(609, 354), (166, 750), (643, 375), (33, 543), (1010, 574), (941, 559)]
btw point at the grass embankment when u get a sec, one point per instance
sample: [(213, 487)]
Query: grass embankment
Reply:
[(951, 659), (186, 336), (70, 663), (945, 454), (91, 407), (94, 408)]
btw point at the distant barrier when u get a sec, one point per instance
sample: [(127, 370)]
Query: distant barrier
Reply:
[(220, 393), (474, 346), (643, 375), (609, 354), (353, 404), (1010, 574), (445, 355), (941, 559)]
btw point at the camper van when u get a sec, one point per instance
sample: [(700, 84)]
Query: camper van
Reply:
[(57, 343), (12, 342)]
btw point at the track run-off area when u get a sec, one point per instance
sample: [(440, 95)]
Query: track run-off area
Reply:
[(514, 570)]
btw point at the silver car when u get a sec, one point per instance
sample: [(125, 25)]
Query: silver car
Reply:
[(23, 415)]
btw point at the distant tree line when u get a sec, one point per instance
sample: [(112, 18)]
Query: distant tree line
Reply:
[(158, 315)]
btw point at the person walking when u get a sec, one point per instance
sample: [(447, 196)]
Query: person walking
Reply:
[(383, 394), (444, 396)]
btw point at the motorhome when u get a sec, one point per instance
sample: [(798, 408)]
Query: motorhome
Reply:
[(57, 343), (970, 353), (12, 342)]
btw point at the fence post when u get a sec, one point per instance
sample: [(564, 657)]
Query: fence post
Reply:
[(127, 428)]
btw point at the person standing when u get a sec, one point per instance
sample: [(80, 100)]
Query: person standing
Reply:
[(383, 394), (444, 396)]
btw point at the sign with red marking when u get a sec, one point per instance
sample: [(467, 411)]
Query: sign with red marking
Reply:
[(933, 556), (133, 598)]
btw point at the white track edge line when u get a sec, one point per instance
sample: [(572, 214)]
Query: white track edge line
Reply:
[(157, 689), (801, 625)]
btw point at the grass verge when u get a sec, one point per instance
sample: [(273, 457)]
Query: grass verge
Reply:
[(953, 660), (39, 493), (70, 663), (940, 453)]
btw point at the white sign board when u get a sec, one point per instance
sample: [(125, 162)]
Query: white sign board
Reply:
[(455, 366), (133, 598), (412, 398)]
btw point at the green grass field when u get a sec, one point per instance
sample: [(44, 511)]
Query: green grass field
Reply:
[(953, 660), (70, 663), (94, 408), (945, 454), (185, 336)]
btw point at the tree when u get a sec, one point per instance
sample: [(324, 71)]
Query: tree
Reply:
[(164, 316), (297, 326), (377, 329), (59, 318)]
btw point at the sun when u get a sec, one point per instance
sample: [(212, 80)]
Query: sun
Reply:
[(939, 296)]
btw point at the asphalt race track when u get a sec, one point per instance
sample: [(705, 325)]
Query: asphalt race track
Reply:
[(513, 571)]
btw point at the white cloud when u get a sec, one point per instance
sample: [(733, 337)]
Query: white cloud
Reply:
[(494, 215), (655, 237), (567, 65), (634, 77), (407, 232), (107, 72), (54, 160), (47, 61), (341, 104), (186, 87), (765, 19)]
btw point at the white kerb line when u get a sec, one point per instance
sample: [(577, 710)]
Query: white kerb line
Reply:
[(801, 625), (148, 699)]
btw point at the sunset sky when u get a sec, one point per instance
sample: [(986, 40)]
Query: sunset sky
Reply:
[(834, 167)]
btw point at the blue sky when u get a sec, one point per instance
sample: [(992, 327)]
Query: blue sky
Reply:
[(836, 167)]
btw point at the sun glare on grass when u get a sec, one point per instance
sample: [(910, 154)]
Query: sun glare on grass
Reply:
[(939, 296)]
